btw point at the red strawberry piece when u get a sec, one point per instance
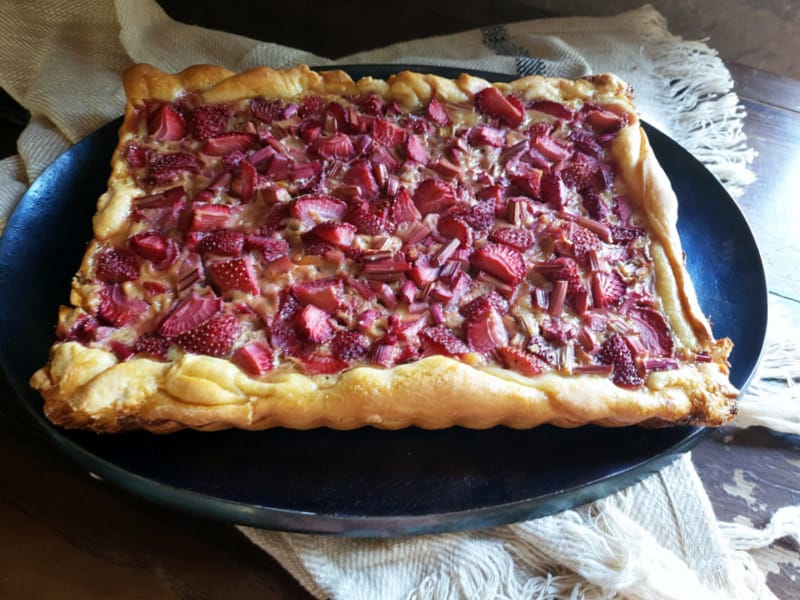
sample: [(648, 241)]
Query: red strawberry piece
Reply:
[(367, 220), (246, 181), (276, 218), (481, 215), (316, 363), (207, 217), (337, 146), (153, 345), (653, 331), (454, 228), (516, 237), (605, 121), (441, 340), (228, 143), (327, 294), (166, 124), (423, 272), (314, 324), (553, 191), (188, 314), (317, 209), (224, 242), (267, 110), (116, 266), (486, 331), (529, 184), (595, 205), (406, 329), (270, 248), (607, 288), (349, 345), (446, 168), (152, 245), (310, 105), (360, 174), (432, 196), (338, 234), (491, 101), (154, 288), (403, 209), (586, 142), (164, 168), (214, 337), (551, 149), (254, 358), (616, 352), (137, 156), (521, 361), (388, 134), (483, 135), (500, 261), (621, 234), (577, 241), (116, 308), (561, 269), (437, 113), (209, 121), (554, 109), (415, 150), (162, 209), (543, 349), (479, 305), (582, 173), (385, 352), (236, 274), (370, 104)]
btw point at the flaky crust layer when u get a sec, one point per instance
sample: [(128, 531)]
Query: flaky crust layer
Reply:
[(89, 388)]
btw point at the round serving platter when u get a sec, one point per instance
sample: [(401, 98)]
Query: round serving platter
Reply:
[(365, 482)]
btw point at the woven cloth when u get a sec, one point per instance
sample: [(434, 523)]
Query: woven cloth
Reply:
[(656, 539)]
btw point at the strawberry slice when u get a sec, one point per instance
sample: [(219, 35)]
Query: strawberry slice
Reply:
[(360, 174), (483, 135), (222, 145), (517, 237), (349, 345), (415, 150), (267, 110), (338, 234), (152, 245), (255, 358), (317, 209), (188, 314), (554, 109), (403, 209), (224, 242), (116, 308), (441, 340), (478, 306), (337, 146), (561, 269), (605, 121), (327, 294), (316, 363), (521, 361), (314, 324), (432, 196), (530, 183), (165, 168), (455, 228), (551, 149), (116, 266), (236, 274), (486, 331), (388, 134), (214, 337), (491, 101), (500, 261), (207, 217), (209, 121), (653, 331), (152, 344), (270, 248), (607, 288), (166, 124), (437, 113), (615, 351)]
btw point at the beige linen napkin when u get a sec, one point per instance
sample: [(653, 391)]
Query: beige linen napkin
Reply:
[(656, 539)]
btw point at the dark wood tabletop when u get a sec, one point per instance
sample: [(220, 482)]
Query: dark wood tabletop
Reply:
[(65, 534)]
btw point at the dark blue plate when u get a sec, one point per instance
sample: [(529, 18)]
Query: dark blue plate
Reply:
[(365, 482)]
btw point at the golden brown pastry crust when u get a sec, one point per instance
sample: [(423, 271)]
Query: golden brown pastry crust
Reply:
[(89, 388)]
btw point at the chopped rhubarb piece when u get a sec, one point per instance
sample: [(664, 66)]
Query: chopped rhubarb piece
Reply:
[(437, 113), (246, 181), (315, 324), (604, 121), (406, 329), (326, 294), (557, 296), (455, 228), (116, 266), (255, 358), (653, 331), (486, 332), (441, 340), (337, 234), (236, 274), (423, 272), (659, 363), (446, 168), (166, 124), (412, 233), (483, 135), (491, 101), (338, 146), (385, 352), (215, 336), (209, 121), (385, 266), (403, 209), (152, 245), (116, 308), (317, 209), (529, 184), (607, 288), (561, 269), (601, 370), (153, 345), (703, 357), (388, 134), (415, 150), (223, 145), (524, 363), (555, 109), (517, 237), (316, 363), (208, 217), (349, 345), (615, 351), (360, 174), (384, 293), (432, 196), (500, 261), (224, 242), (445, 252)]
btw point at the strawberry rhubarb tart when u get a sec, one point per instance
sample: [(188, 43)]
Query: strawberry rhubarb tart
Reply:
[(294, 248)]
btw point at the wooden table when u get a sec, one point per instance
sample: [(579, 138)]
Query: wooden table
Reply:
[(63, 534)]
